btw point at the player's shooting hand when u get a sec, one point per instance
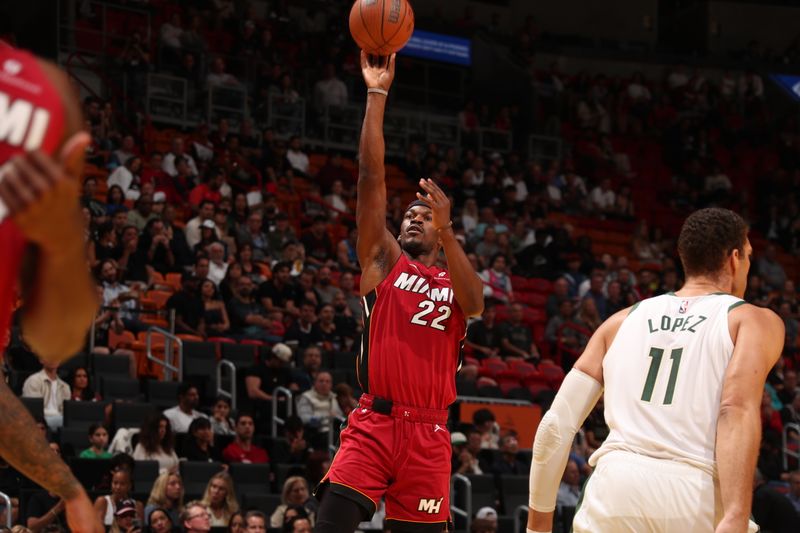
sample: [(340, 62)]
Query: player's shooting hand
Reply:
[(41, 193), (438, 201), (378, 71), (81, 516)]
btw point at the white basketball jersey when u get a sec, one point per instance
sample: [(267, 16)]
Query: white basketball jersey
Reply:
[(663, 378)]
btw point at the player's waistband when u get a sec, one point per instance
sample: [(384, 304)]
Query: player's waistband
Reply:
[(406, 412)]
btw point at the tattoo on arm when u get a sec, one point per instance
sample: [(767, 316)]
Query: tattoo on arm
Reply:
[(23, 447)]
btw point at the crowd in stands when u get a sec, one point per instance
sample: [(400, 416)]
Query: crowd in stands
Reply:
[(249, 239)]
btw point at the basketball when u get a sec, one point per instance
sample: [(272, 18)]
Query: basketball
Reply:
[(381, 27)]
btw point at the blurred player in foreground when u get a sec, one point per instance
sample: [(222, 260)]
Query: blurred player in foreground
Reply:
[(42, 250), (684, 375)]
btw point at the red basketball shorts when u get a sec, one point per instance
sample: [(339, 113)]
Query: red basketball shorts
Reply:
[(403, 456)]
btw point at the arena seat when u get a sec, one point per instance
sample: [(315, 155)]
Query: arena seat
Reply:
[(143, 476), (120, 388), (110, 365), (131, 415), (35, 407), (241, 355), (250, 478), (83, 414), (195, 476), (264, 502), (162, 394), (513, 492)]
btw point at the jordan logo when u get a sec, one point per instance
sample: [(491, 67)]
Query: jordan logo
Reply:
[(437, 427)]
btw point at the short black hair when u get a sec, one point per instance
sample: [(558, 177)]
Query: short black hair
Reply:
[(199, 423), (481, 416), (94, 427), (242, 414), (707, 237), (185, 387)]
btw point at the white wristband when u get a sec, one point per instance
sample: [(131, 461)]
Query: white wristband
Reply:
[(378, 91), (532, 531)]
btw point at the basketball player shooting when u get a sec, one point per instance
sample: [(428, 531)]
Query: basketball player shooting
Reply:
[(684, 375), (42, 247), (396, 444)]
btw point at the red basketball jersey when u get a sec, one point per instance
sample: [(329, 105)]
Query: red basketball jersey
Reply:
[(31, 118), (413, 332)]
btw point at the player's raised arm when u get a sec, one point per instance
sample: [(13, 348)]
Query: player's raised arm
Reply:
[(377, 249), (467, 286), (758, 335)]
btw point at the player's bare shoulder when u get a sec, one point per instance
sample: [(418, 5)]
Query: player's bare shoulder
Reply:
[(758, 320)]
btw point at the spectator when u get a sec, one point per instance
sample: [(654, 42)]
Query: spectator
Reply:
[(124, 517), (317, 242), (200, 444), (237, 523), (587, 316), (142, 212), (602, 198), (80, 388), (305, 330), (262, 379), (336, 200), (220, 499), (183, 414), (466, 461), (351, 296), (791, 327), (177, 151), (487, 247), (553, 332), (770, 269), (255, 521), (486, 423), (196, 518), (166, 494), (330, 91), (333, 170), (295, 492), (279, 294), (253, 235), (794, 490), (772, 511), (302, 378), (159, 521), (482, 335), (248, 317), (46, 385), (280, 232), (324, 286), (221, 422), (209, 190), (218, 77), (345, 397), (593, 288), (298, 524), (217, 265), (205, 212), (297, 158), (215, 315), (98, 439), (121, 485), (242, 449), (560, 293), (317, 406), (516, 337), (156, 443), (208, 236), (496, 281), (569, 491), (294, 449), (127, 178), (508, 463), (170, 33), (189, 312), (487, 513)]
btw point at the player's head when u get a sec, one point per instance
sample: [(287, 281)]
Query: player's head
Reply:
[(713, 244), (417, 234)]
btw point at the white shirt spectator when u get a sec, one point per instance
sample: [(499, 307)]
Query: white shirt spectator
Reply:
[(677, 79), (602, 200), (168, 164), (298, 159), (166, 461), (217, 271), (171, 35), (638, 92), (316, 409), (568, 496), (124, 179), (329, 92), (179, 420), (53, 392)]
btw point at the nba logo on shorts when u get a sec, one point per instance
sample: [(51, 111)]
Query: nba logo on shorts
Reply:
[(684, 306)]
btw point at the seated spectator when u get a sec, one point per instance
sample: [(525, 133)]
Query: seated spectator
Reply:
[(200, 445), (255, 521), (177, 151), (208, 236), (330, 91), (221, 422), (302, 378), (279, 293), (124, 517), (772, 511), (295, 492), (569, 491), (220, 499), (183, 414), (316, 407), (588, 317), (465, 458), (98, 440), (189, 311), (80, 388), (160, 521), (237, 523), (305, 330), (46, 385), (242, 449), (345, 397), (516, 337), (248, 317), (215, 315), (262, 379), (196, 518), (217, 265), (602, 198), (250, 268), (508, 463), (482, 335), (127, 178), (770, 269), (555, 334), (486, 423), (280, 232), (252, 234), (496, 281), (794, 490), (171, 31), (317, 241), (218, 77), (346, 323), (157, 443), (167, 494), (192, 230), (297, 158), (337, 202), (298, 524), (142, 212), (118, 294), (121, 486), (209, 190)]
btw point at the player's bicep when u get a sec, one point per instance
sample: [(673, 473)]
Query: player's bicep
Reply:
[(377, 248), (759, 343)]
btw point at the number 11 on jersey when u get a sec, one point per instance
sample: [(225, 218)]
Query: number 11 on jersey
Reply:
[(655, 366)]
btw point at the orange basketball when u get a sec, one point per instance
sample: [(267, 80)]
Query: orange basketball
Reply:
[(381, 27)]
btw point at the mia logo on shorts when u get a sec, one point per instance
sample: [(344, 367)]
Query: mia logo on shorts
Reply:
[(430, 506)]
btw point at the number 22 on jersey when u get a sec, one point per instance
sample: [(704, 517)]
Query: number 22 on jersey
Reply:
[(656, 354), (427, 308)]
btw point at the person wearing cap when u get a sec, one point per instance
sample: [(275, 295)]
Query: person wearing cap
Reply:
[(124, 518), (192, 230), (208, 236), (272, 372), (487, 513)]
